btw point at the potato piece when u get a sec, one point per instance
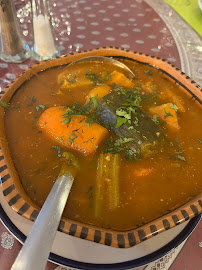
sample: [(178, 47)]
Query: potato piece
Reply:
[(166, 113), (85, 82), (99, 92), (71, 79), (120, 79), (76, 134)]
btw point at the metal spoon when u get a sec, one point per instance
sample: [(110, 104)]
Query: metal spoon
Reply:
[(104, 59), (35, 252)]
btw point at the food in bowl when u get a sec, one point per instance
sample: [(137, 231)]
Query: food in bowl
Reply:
[(137, 140)]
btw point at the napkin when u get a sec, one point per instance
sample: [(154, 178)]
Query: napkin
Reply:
[(189, 10)]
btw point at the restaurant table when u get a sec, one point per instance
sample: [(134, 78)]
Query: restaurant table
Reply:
[(150, 27)]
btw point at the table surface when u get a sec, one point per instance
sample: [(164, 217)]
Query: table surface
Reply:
[(150, 27)]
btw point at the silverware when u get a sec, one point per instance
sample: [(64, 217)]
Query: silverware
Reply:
[(36, 249), (106, 60)]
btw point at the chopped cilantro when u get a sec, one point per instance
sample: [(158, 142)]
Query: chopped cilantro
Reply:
[(40, 106), (136, 121), (181, 157), (119, 88), (173, 106), (171, 143), (167, 113), (58, 149), (89, 189), (138, 88), (90, 120), (94, 100), (120, 121), (4, 104), (200, 140), (33, 100), (155, 119), (94, 78), (72, 138), (121, 112), (67, 120), (120, 141), (148, 72), (111, 147), (89, 140)]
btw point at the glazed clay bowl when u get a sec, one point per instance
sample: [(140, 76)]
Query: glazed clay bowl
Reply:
[(23, 205)]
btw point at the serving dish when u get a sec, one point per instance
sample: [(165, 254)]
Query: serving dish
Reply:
[(22, 204), (78, 253)]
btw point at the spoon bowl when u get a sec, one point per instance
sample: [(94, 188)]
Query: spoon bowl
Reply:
[(103, 59)]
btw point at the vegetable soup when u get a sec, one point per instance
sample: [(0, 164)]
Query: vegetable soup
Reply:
[(136, 142)]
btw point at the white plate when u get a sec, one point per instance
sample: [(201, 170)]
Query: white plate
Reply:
[(74, 252)]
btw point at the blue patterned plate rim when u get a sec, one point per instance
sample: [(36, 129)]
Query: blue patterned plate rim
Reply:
[(123, 265)]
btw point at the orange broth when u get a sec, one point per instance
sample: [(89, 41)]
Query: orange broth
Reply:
[(149, 187)]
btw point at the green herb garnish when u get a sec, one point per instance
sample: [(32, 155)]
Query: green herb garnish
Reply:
[(58, 149), (94, 101), (40, 106), (173, 106), (4, 104), (72, 138), (33, 100), (148, 72), (94, 78), (167, 113)]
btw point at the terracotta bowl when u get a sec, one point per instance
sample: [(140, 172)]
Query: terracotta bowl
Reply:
[(22, 204)]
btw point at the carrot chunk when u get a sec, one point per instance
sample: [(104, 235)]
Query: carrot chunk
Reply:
[(120, 79), (76, 134), (166, 113), (99, 92)]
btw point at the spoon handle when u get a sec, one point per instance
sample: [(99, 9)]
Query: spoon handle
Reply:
[(35, 252)]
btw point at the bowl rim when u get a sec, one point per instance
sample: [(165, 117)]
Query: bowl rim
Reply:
[(22, 204), (69, 262)]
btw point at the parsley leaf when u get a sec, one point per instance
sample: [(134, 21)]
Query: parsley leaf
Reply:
[(173, 106), (148, 72), (120, 121), (40, 106), (4, 104), (58, 149), (71, 139), (181, 157), (94, 78), (33, 100), (167, 113), (94, 100)]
